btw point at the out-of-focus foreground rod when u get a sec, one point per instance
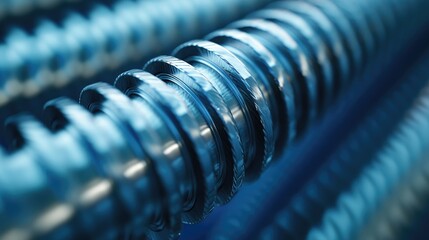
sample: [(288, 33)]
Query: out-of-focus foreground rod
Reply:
[(169, 142)]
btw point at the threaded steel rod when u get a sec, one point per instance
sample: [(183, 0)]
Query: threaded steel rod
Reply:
[(331, 205), (382, 200), (80, 45), (172, 140)]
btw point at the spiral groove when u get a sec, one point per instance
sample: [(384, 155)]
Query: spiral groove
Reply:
[(325, 208), (169, 142), (106, 36), (400, 165)]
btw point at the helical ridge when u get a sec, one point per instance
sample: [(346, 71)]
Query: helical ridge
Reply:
[(106, 36), (169, 142), (311, 208), (371, 208)]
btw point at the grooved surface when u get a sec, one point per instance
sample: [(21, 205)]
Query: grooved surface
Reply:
[(170, 141)]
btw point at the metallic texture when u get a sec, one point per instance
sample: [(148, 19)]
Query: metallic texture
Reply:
[(391, 189), (171, 141), (304, 183), (341, 199), (106, 36)]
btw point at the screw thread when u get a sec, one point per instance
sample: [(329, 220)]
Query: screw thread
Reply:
[(105, 36), (382, 201), (170, 141), (360, 152)]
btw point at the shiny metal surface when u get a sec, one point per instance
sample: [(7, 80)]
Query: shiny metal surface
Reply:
[(103, 35), (169, 142)]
